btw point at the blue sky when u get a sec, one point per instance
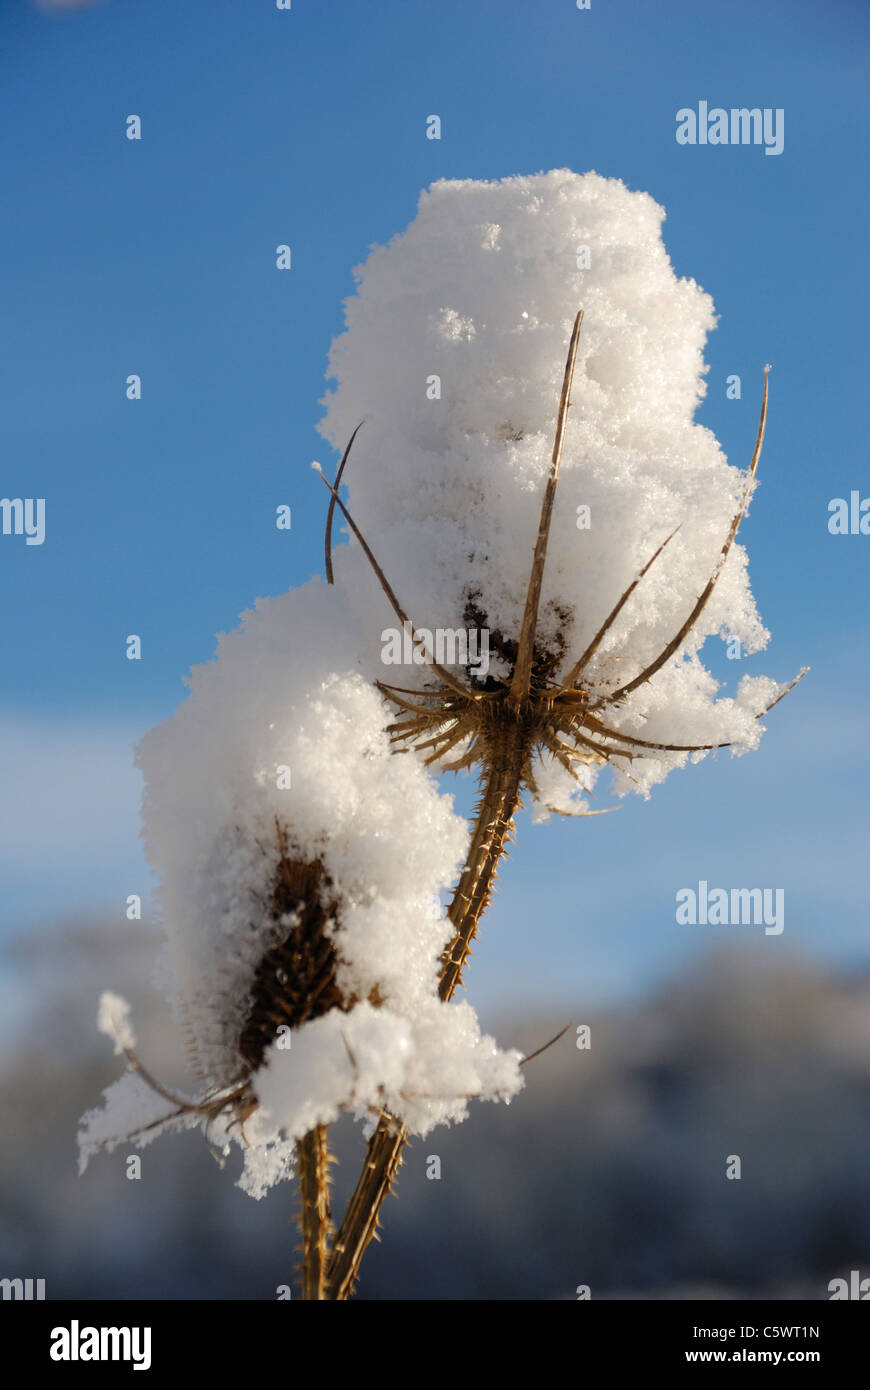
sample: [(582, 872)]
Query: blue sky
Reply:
[(156, 257)]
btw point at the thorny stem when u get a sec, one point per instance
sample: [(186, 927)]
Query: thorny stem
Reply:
[(492, 826), (383, 1159), (313, 1159), (489, 840)]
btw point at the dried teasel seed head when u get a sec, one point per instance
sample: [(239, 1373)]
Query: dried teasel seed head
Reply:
[(296, 979)]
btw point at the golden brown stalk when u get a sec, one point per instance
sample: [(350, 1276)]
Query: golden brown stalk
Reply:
[(360, 1224), (492, 827), (312, 1157)]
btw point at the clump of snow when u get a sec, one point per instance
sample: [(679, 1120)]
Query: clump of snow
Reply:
[(558, 790), (476, 300), (421, 1066), (131, 1112), (113, 1019)]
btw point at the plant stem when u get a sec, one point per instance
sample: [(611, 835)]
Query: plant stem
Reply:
[(360, 1224), (489, 839), (313, 1159), (490, 835)]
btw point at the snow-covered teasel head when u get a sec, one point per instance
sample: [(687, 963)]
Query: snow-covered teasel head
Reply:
[(454, 353), (301, 866)]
